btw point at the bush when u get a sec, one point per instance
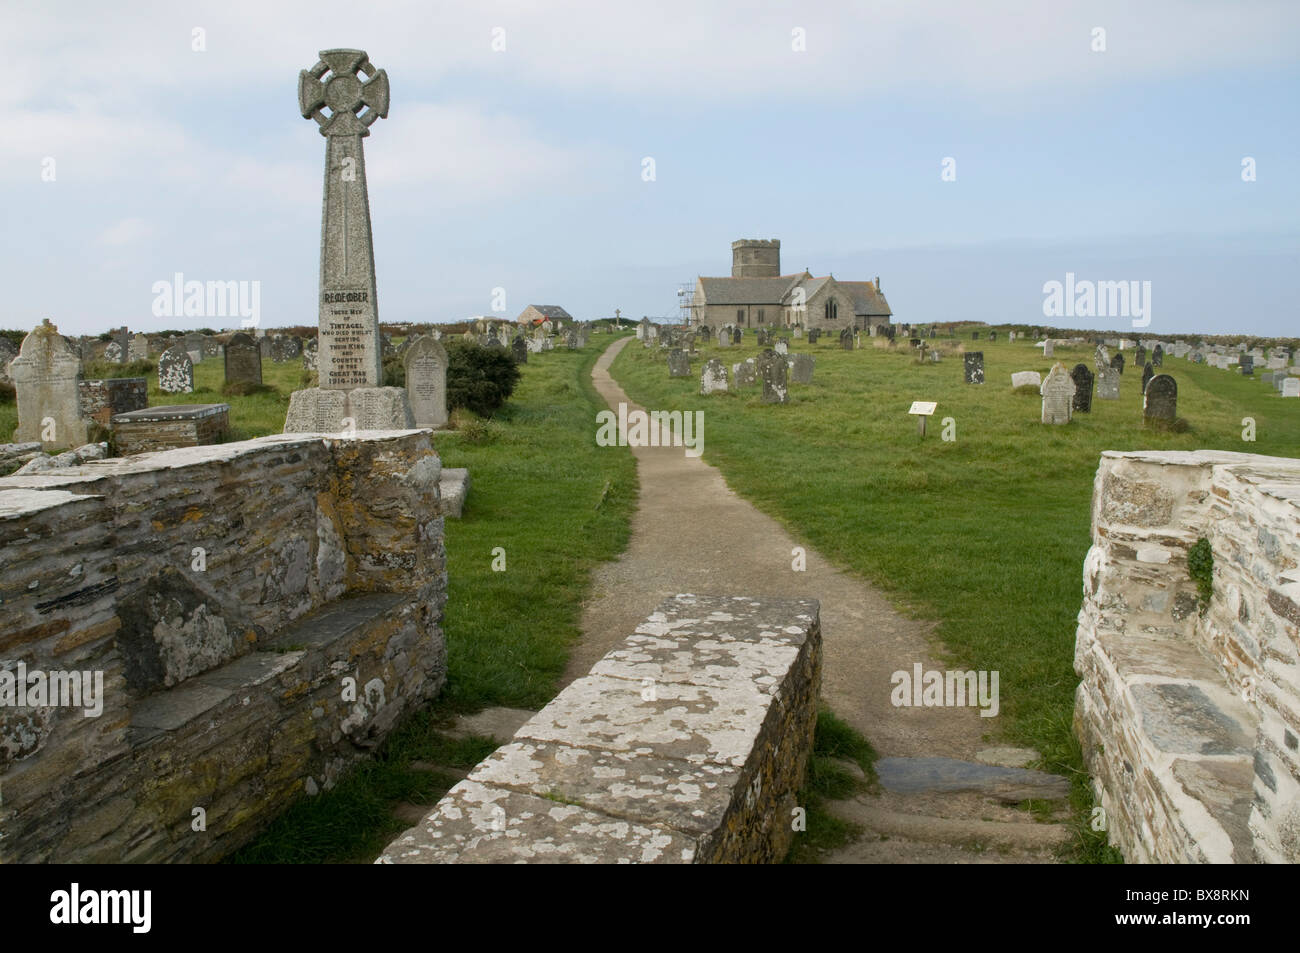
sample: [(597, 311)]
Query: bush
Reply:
[(480, 379), (1200, 567), (7, 393), (394, 372)]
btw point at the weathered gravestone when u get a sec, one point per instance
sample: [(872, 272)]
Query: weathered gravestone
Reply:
[(993, 335), (1058, 396), (801, 368), (7, 353), (350, 355), (1157, 356), (519, 348), (309, 355), (974, 335), (713, 379), (138, 349), (45, 375), (194, 346), (1102, 357), (1247, 365), (571, 339), (724, 337), (176, 371), (814, 334), (243, 359), (1147, 373), (425, 362), (284, 348), (781, 347), (1117, 362), (1160, 400), (798, 332), (679, 363), (772, 372), (737, 335), (1027, 379), (1049, 348), (973, 366), (114, 353), (1082, 388), (1291, 387), (1139, 356), (705, 334), (745, 375), (1107, 383), (846, 339)]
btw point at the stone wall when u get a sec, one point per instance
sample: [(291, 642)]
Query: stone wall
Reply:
[(686, 744), (261, 614), (1189, 720), (101, 399)]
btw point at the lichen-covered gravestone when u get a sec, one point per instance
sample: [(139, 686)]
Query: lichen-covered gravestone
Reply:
[(846, 339), (782, 347), (744, 374), (284, 347), (243, 359), (138, 349), (973, 366), (1107, 383), (176, 370), (1247, 365), (1102, 357), (1139, 356), (309, 355), (426, 381), (801, 368), (713, 379), (679, 363), (1058, 396), (1157, 356), (1082, 388), (350, 355), (1027, 379), (114, 353), (772, 371), (45, 375), (1160, 400)]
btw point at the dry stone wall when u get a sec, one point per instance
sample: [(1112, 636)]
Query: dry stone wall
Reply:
[(686, 744), (222, 595), (1189, 713)]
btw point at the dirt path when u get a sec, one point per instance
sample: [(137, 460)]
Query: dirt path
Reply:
[(692, 533)]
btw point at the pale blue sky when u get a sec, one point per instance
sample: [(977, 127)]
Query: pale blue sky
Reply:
[(522, 168)]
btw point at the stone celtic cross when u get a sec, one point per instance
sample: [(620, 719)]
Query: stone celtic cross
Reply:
[(356, 94)]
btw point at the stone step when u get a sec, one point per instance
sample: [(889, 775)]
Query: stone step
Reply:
[(942, 775), (959, 832)]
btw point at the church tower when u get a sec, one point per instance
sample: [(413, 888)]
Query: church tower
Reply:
[(756, 258)]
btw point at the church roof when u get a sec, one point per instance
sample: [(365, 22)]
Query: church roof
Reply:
[(866, 299), (746, 290)]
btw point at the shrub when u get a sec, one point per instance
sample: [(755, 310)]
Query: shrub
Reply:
[(7, 393), (480, 379), (394, 372)]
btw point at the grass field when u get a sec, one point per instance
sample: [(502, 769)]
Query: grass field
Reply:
[(986, 533)]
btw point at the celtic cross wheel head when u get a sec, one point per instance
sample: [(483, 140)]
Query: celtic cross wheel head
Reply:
[(344, 93)]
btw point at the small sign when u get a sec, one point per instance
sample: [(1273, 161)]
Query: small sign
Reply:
[(924, 407)]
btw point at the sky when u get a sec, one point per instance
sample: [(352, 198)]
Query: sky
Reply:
[(598, 155)]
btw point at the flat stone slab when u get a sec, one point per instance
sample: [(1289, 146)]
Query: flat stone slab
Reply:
[(1181, 718), (453, 487), (499, 723), (478, 824), (922, 775), (171, 412)]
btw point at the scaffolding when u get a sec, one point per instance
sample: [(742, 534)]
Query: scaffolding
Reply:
[(685, 299)]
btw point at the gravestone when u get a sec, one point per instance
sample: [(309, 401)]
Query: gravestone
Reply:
[(1058, 396), (1102, 357), (571, 339), (1158, 356), (974, 335), (760, 337), (782, 347), (772, 372), (1082, 388), (724, 337), (176, 371), (1291, 387), (284, 348), (993, 335), (1247, 365), (736, 335), (1049, 349), (814, 334), (798, 332), (309, 355), (801, 368), (846, 339), (1107, 383), (45, 375), (1147, 374), (705, 334), (519, 349), (1160, 400), (114, 354), (194, 346), (1027, 379), (973, 365), (1140, 356), (350, 355), (243, 359), (713, 379), (1117, 362), (679, 363), (425, 362), (7, 353), (138, 350), (744, 374), (932, 333)]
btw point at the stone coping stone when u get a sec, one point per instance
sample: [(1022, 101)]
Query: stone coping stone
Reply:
[(171, 412), (334, 620), (17, 502), (610, 771), (453, 487)]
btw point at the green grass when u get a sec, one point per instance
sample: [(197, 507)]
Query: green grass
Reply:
[(986, 534), (829, 780), (558, 506)]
